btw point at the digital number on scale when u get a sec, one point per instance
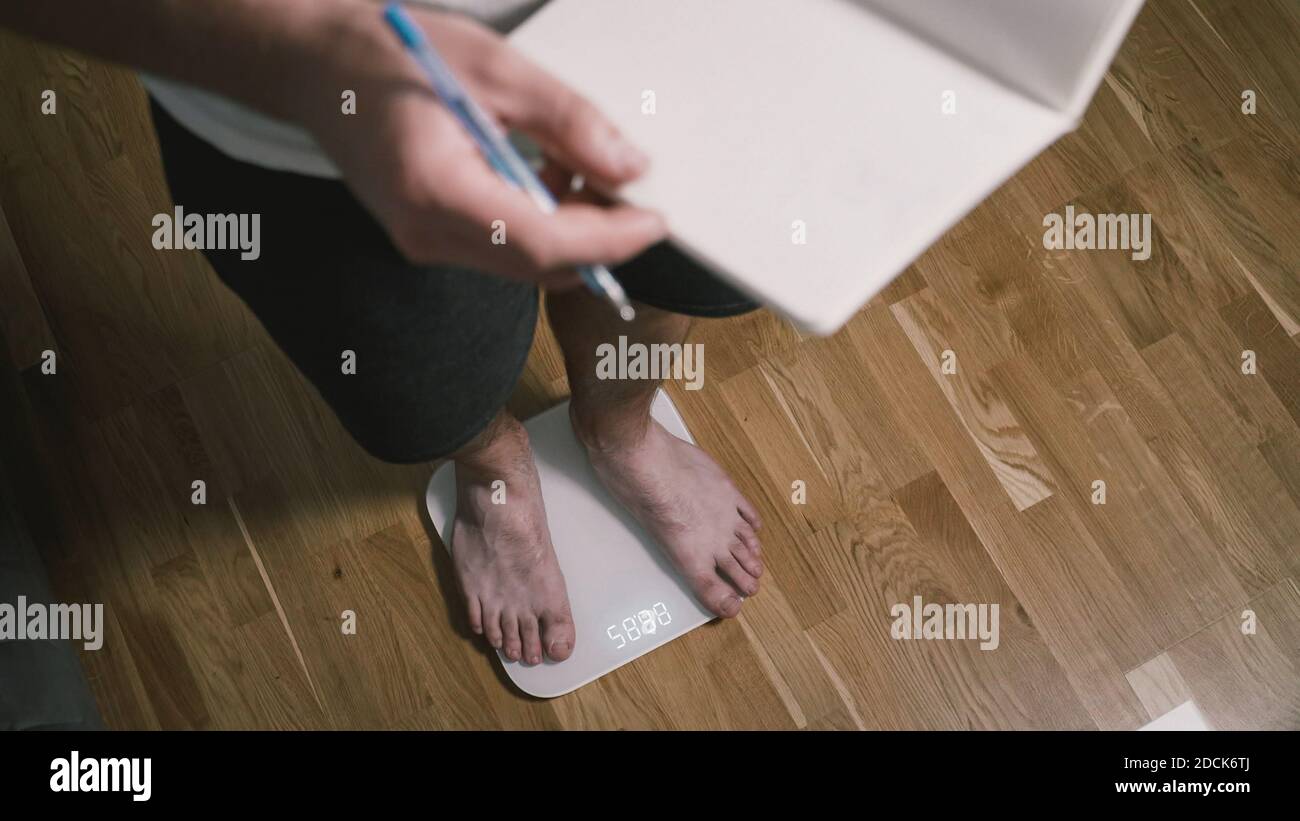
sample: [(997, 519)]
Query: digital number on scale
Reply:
[(643, 623)]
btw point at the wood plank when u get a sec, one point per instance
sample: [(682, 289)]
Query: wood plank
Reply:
[(974, 400), (1278, 358), (1247, 510)]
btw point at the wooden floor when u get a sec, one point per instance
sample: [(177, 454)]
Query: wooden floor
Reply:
[(1073, 367)]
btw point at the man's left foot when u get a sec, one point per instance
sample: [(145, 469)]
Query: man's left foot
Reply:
[(687, 503)]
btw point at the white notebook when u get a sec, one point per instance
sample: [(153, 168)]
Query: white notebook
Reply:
[(827, 121)]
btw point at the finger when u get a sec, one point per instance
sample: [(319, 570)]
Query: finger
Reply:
[(563, 279), (586, 195), (586, 234), (574, 234), (557, 179), (562, 121)]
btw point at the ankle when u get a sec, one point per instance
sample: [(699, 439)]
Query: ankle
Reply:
[(499, 453), (609, 428)]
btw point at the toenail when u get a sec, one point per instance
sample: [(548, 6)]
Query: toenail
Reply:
[(559, 647), (534, 660)]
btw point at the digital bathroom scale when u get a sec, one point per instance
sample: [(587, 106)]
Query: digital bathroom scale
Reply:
[(626, 597)]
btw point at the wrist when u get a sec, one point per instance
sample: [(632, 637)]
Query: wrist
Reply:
[(329, 46)]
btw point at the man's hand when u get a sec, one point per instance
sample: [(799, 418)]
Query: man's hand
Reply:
[(415, 168), (405, 157)]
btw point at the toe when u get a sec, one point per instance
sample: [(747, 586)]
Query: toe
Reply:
[(749, 513), (530, 638), (748, 558), (510, 644), (739, 577), (716, 595), (748, 538), (557, 635), (492, 625), (474, 611)]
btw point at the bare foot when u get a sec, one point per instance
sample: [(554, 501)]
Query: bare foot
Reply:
[(688, 504), (503, 555)]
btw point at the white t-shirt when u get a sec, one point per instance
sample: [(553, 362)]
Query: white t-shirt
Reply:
[(253, 137)]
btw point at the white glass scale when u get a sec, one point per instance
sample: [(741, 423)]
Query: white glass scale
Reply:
[(626, 598)]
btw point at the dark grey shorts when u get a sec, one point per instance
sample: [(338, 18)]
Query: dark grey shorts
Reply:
[(438, 350)]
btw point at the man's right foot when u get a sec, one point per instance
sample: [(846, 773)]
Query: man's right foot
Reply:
[(503, 555)]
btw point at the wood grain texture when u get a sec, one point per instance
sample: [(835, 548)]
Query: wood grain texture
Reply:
[(1159, 685), (21, 315), (1073, 368)]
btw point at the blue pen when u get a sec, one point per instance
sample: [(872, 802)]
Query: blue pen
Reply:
[(498, 151)]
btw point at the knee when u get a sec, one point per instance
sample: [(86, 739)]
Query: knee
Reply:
[(405, 412), (406, 431), (667, 279)]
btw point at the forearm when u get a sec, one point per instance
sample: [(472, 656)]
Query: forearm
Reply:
[(249, 50)]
